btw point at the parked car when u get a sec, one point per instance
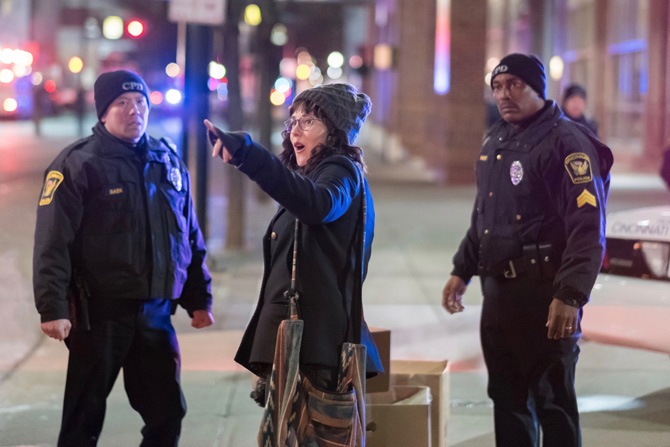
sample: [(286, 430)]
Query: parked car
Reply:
[(630, 302)]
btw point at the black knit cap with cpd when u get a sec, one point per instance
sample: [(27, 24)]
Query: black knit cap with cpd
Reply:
[(111, 85), (345, 107), (528, 67)]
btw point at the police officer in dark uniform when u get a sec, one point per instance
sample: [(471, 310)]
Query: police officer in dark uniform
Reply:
[(117, 246), (536, 240)]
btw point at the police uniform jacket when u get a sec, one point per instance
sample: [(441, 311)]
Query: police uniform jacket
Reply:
[(327, 201), (544, 186), (122, 218)]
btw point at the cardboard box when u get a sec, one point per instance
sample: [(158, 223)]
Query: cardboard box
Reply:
[(399, 417), (434, 375), (380, 382)]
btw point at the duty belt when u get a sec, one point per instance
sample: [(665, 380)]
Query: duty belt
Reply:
[(537, 261)]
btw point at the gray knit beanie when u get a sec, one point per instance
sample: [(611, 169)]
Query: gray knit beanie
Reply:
[(346, 108)]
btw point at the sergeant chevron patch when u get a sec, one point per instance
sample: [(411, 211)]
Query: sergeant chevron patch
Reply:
[(586, 198)]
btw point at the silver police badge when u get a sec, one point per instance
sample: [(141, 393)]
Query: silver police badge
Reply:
[(516, 172), (175, 178)]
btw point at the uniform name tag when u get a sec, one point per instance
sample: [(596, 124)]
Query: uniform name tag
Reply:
[(114, 191), (51, 183)]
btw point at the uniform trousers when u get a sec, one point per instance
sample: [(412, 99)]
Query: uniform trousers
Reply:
[(138, 337), (531, 378)]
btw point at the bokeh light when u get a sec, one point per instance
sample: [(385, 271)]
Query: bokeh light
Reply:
[(156, 98), (279, 35), (75, 65), (252, 15), (277, 98), (6, 76), (302, 72), (216, 70), (112, 27), (355, 61), (10, 105), (172, 69), (173, 96), (335, 59)]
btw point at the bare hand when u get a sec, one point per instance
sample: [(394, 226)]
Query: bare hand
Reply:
[(201, 319), (57, 329), (562, 320), (452, 295), (219, 150)]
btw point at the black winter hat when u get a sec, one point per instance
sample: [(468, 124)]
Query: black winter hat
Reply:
[(574, 90), (346, 108), (528, 67), (110, 85)]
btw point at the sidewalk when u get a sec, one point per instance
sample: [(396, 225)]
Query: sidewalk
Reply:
[(624, 394)]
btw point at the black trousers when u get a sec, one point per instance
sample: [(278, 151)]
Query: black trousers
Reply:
[(531, 378), (138, 336)]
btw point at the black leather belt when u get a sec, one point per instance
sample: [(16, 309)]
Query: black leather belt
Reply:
[(538, 261)]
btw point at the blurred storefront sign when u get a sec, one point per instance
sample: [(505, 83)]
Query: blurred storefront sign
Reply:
[(206, 12)]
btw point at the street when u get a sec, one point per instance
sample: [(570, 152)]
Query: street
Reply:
[(624, 393)]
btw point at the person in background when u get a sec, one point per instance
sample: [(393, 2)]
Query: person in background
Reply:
[(117, 246), (536, 240), (574, 106)]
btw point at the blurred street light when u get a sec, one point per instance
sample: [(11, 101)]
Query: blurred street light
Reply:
[(135, 28), (112, 27), (172, 69), (279, 35), (75, 64), (252, 15), (335, 59), (556, 68)]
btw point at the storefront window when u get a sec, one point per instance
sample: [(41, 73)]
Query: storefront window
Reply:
[(627, 48)]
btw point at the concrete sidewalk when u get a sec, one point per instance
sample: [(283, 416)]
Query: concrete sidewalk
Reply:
[(624, 394)]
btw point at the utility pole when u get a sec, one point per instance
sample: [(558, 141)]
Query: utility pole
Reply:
[(234, 116), (196, 109)]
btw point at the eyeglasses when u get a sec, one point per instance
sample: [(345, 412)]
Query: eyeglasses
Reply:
[(305, 123)]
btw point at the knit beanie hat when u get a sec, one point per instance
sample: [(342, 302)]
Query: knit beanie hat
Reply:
[(574, 90), (111, 85), (346, 108), (528, 67)]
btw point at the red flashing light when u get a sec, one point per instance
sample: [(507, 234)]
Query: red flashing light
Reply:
[(50, 86), (135, 28)]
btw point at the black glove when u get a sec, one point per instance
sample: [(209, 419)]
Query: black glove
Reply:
[(232, 141)]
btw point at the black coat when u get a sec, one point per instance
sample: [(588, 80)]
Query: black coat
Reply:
[(327, 202), (545, 184), (124, 219)]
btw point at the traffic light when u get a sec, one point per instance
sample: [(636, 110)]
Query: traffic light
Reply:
[(135, 28)]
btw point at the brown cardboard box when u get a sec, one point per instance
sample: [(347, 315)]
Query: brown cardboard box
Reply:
[(380, 382), (399, 417), (434, 375)]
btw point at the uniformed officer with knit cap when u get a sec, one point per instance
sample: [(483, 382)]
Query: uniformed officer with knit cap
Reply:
[(536, 240), (117, 247)]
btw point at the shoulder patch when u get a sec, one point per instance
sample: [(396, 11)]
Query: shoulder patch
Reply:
[(586, 198), (51, 183), (578, 166)]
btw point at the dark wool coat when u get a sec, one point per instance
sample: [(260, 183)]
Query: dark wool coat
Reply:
[(327, 202)]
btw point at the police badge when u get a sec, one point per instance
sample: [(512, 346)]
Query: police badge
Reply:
[(175, 178), (516, 172)]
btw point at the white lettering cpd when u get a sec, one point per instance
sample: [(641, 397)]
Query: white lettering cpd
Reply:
[(500, 69), (132, 86)]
